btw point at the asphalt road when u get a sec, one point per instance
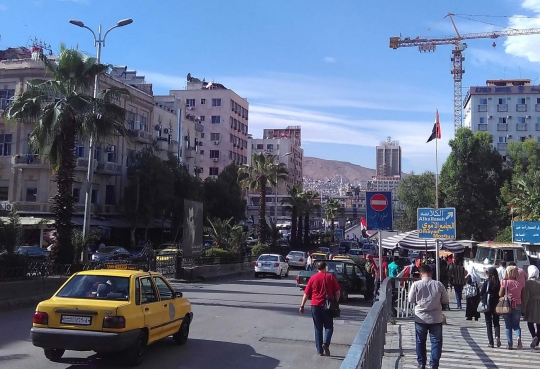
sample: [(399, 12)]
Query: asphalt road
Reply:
[(240, 323)]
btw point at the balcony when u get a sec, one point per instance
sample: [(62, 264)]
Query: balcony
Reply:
[(482, 108), (199, 127), (162, 143), (190, 153), (141, 136), (173, 146), (30, 161), (501, 146), (482, 127), (521, 126), (502, 127), (521, 108), (537, 107), (107, 167), (82, 164), (537, 126), (502, 107)]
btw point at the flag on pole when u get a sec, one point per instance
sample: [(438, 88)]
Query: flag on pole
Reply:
[(363, 226), (436, 132)]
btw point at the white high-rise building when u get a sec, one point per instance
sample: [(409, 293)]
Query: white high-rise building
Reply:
[(388, 158)]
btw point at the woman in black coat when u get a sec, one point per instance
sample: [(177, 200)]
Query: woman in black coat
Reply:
[(472, 302), (490, 297)]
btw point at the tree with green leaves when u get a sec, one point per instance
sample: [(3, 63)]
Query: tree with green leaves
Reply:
[(11, 232), (415, 191), (65, 111), (470, 181), (291, 203), (226, 235), (309, 208), (332, 210), (264, 171), (223, 196)]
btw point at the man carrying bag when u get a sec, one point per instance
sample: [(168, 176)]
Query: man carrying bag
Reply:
[(324, 291)]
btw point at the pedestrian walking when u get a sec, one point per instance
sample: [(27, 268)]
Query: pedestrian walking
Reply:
[(489, 296), (319, 287), (309, 262), (512, 287), (393, 267), (471, 293), (501, 270), (444, 272), (523, 277), (370, 278), (531, 304), (458, 276), (429, 297)]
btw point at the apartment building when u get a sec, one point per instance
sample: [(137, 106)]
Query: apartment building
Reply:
[(224, 114), (507, 109), (388, 156)]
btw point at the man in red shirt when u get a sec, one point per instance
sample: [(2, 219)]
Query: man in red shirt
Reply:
[(319, 286)]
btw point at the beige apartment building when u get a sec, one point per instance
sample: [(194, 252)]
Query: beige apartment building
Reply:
[(224, 116)]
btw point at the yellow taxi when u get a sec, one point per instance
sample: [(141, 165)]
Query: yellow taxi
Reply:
[(319, 256), (342, 257), (119, 309), (168, 254)]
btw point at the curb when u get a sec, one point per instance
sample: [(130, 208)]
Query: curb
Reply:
[(24, 302), (202, 279)]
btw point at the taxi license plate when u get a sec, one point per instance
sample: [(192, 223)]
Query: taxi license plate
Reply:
[(76, 320)]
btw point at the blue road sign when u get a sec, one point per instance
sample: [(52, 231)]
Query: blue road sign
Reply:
[(526, 232), (436, 223), (338, 234), (379, 211)]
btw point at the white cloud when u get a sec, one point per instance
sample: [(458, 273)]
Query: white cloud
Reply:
[(525, 46), (330, 59)]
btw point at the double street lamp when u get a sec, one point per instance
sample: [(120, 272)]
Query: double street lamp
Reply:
[(99, 42)]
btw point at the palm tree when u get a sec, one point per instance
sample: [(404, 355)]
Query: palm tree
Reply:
[(65, 112), (291, 204), (220, 231), (526, 196), (332, 209), (309, 207), (11, 232), (264, 171), (300, 230)]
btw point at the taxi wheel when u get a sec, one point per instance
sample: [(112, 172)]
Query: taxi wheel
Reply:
[(134, 356), (53, 354), (182, 335)]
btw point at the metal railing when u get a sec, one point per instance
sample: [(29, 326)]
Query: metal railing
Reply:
[(367, 349), (203, 261), (404, 309)]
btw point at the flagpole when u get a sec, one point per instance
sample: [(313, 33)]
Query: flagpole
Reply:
[(436, 172)]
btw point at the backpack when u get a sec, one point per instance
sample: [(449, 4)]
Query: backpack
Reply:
[(369, 267)]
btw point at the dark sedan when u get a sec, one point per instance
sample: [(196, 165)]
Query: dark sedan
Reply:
[(111, 253)]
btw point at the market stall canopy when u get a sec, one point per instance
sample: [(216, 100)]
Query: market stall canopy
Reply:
[(411, 241), (32, 221)]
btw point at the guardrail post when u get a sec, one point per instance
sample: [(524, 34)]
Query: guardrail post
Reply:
[(179, 274)]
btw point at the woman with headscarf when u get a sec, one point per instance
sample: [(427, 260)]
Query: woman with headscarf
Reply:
[(531, 304), (512, 287), (458, 277), (490, 297), (473, 280)]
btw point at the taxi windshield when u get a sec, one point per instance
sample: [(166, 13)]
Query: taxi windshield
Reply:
[(96, 287), (167, 252), (334, 267)]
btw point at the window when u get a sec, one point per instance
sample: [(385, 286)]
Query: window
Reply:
[(165, 292), (216, 102), (142, 123), (111, 157), (521, 119), (213, 171), (521, 255), (216, 119), (5, 144), (95, 193), (214, 136), (502, 100), (521, 100), (232, 105), (270, 147), (482, 120), (538, 100), (203, 101), (522, 139), (202, 118), (96, 286), (31, 191), (202, 134), (502, 120), (5, 96), (230, 155), (79, 150), (110, 195), (97, 152), (214, 154), (202, 152), (190, 102), (4, 187), (76, 195), (148, 292), (483, 101), (260, 147)]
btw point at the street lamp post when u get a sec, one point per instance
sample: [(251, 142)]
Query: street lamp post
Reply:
[(99, 42), (277, 184)]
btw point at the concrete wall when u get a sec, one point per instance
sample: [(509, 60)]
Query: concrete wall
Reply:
[(214, 271), (20, 294)]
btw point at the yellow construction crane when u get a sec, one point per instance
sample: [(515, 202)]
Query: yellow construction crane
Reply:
[(430, 44)]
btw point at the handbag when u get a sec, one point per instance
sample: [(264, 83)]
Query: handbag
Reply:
[(330, 304), (483, 307), (469, 291), (504, 306)]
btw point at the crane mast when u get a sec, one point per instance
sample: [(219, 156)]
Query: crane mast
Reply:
[(430, 44)]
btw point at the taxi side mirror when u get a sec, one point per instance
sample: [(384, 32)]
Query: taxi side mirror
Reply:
[(178, 294)]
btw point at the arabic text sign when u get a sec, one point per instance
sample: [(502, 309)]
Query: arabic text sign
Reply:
[(379, 210), (528, 232), (437, 223)]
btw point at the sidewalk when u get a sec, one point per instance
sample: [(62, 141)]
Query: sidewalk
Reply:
[(465, 345)]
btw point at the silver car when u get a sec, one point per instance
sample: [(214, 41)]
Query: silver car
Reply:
[(297, 258)]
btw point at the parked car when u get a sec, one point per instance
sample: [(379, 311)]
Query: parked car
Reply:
[(344, 247), (351, 278), (252, 241), (297, 258), (33, 253), (271, 264), (111, 253), (357, 256), (168, 254), (112, 312)]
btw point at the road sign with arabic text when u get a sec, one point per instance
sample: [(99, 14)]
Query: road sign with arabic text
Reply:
[(437, 223)]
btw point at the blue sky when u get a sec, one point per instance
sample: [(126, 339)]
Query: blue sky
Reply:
[(323, 65)]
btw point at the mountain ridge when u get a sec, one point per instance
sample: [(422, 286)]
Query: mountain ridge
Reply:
[(317, 169)]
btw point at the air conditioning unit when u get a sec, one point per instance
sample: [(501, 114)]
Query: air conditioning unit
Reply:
[(111, 148), (528, 117), (216, 159), (200, 143), (166, 131), (158, 127), (508, 116), (191, 107), (509, 136), (490, 116), (216, 142)]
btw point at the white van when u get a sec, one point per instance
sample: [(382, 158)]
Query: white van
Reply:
[(488, 254)]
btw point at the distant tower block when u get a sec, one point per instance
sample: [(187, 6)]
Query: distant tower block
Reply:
[(388, 157)]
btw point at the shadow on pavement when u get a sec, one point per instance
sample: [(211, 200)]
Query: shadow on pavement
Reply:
[(15, 326), (196, 354), (236, 292)]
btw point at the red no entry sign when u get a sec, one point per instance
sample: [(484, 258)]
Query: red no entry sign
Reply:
[(378, 202)]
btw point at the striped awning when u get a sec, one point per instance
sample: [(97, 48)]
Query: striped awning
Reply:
[(410, 241)]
